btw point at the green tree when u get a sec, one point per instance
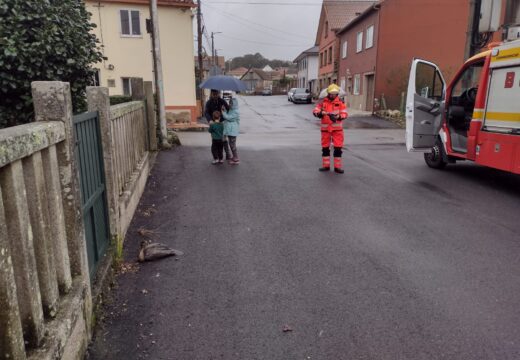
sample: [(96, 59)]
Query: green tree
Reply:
[(47, 40)]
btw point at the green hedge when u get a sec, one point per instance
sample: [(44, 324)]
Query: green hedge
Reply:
[(119, 99), (43, 40)]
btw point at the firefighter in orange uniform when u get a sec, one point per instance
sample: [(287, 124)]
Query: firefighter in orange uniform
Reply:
[(332, 111)]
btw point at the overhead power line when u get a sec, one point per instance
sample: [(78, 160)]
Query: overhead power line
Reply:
[(250, 24), (262, 43)]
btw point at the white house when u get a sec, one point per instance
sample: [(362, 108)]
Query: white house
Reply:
[(308, 66), (121, 30)]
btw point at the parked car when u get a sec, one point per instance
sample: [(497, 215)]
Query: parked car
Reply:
[(290, 94), (267, 92), (302, 95)]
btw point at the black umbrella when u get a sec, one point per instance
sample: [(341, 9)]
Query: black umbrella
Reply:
[(223, 82)]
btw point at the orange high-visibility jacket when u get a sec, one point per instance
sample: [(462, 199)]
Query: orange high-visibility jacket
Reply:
[(336, 107)]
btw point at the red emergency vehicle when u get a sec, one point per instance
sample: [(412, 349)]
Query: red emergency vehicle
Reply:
[(477, 117)]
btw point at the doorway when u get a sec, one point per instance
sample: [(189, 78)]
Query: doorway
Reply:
[(369, 93)]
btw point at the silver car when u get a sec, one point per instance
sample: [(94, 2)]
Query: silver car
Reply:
[(302, 95), (290, 94)]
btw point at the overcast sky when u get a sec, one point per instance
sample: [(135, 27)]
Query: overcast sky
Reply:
[(276, 31)]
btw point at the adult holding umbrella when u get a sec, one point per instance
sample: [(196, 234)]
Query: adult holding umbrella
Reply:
[(216, 103)]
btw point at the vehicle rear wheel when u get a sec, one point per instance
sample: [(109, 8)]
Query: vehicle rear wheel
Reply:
[(435, 158)]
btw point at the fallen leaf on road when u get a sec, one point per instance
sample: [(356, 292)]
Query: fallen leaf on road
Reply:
[(144, 291), (148, 211), (128, 267), (287, 328)]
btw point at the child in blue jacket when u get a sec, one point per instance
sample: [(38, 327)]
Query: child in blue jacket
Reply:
[(216, 129)]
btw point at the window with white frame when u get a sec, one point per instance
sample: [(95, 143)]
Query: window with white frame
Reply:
[(344, 50), (359, 44), (127, 86), (130, 22), (357, 84), (370, 37), (342, 83), (96, 80)]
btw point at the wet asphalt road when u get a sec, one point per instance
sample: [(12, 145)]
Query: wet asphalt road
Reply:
[(391, 260)]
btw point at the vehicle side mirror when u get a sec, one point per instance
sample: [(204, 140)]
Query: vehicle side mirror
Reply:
[(307, 91)]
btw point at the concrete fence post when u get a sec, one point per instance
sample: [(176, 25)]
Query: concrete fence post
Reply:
[(151, 116), (58, 232), (99, 100), (40, 224), (11, 337), (20, 236), (52, 102)]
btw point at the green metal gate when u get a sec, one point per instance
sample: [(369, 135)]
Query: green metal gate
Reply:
[(89, 157)]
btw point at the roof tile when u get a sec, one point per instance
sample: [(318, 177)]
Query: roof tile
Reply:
[(340, 14)]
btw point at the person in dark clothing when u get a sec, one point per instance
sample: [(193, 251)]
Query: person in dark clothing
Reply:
[(216, 103)]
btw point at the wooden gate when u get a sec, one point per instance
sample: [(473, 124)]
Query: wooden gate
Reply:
[(89, 157)]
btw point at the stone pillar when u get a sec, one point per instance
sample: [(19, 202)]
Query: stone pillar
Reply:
[(52, 102), (151, 116), (11, 337), (137, 88), (98, 100)]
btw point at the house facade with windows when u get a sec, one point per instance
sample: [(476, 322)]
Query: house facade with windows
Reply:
[(358, 55), (307, 63), (382, 41), (334, 15), (121, 31)]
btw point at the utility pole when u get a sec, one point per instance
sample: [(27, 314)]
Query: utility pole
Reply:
[(213, 53), (213, 48), (159, 85), (201, 63)]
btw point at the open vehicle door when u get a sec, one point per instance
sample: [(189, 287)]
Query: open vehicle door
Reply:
[(424, 105)]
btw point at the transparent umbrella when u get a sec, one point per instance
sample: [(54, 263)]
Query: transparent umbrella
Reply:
[(323, 93)]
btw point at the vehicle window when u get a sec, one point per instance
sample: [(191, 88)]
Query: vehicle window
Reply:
[(428, 82), (300, 91), (469, 79)]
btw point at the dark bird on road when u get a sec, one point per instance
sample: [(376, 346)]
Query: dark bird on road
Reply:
[(156, 251)]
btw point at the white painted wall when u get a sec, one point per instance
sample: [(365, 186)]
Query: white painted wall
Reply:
[(310, 72)]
